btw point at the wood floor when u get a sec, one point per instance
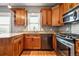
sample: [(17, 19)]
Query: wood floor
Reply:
[(38, 53)]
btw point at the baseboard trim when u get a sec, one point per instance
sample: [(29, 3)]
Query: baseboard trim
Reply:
[(38, 49)]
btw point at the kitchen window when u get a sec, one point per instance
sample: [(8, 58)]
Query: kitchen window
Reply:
[(5, 22), (33, 21)]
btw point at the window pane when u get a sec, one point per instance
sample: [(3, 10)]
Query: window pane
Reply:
[(4, 20), (33, 21), (4, 28), (33, 27), (34, 17)]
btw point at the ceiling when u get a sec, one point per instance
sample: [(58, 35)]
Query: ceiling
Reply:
[(27, 4)]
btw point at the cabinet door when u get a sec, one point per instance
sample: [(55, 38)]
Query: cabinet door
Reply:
[(36, 42), (20, 16), (20, 44), (77, 48), (55, 16), (61, 12), (54, 42), (17, 17), (28, 42), (49, 17), (15, 48), (44, 17), (23, 17)]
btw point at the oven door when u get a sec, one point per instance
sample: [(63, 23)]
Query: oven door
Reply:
[(62, 49)]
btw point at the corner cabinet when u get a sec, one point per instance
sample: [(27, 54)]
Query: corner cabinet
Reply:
[(17, 45), (46, 16), (20, 16)]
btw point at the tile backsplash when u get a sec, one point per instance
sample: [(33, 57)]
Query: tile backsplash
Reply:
[(75, 28), (70, 28)]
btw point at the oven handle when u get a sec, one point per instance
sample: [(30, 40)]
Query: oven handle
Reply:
[(64, 42)]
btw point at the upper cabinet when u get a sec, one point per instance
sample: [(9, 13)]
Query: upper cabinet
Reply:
[(68, 6), (61, 12), (19, 16), (57, 15), (46, 14), (49, 17), (44, 17), (58, 11)]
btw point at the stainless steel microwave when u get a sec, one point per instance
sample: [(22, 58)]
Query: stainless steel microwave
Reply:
[(72, 15)]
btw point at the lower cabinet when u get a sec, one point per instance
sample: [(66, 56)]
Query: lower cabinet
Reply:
[(77, 47), (28, 42), (17, 46), (32, 42), (54, 42), (36, 41)]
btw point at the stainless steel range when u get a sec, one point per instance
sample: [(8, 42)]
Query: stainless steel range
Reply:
[(65, 45)]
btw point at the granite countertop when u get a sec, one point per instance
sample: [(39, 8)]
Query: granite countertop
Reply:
[(8, 35)]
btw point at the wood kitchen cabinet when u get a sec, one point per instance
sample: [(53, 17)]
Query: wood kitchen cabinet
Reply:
[(19, 16), (36, 42), (28, 42), (54, 42), (32, 42), (61, 12), (68, 6), (11, 46), (16, 48), (46, 16), (55, 16), (77, 47), (17, 45), (49, 17)]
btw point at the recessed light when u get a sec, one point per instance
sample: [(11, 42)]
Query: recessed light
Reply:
[(9, 6)]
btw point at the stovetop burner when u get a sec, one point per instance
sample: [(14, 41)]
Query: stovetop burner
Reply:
[(68, 38)]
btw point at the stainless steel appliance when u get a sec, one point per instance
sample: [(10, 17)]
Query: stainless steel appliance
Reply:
[(65, 47), (46, 42), (72, 15), (76, 14)]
